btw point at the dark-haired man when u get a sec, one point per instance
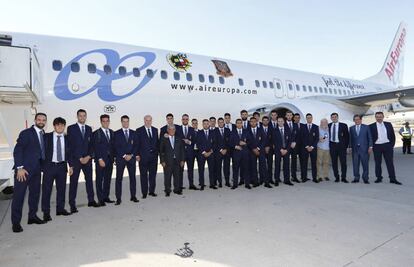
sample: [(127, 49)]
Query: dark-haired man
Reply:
[(28, 155), (221, 148), (79, 138), (205, 142), (309, 144), (338, 144), (244, 115), (170, 121)]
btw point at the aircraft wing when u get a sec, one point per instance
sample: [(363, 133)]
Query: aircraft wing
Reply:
[(404, 95)]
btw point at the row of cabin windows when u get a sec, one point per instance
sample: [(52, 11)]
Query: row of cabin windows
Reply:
[(75, 67), (305, 88)]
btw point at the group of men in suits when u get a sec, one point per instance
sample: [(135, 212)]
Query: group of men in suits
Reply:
[(257, 151)]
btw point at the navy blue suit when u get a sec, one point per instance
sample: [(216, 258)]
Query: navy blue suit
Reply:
[(54, 172), (27, 153), (294, 152), (360, 143), (260, 142), (269, 156), (308, 139), (81, 146), (385, 150), (240, 158), (282, 142), (123, 147), (103, 149), (221, 142), (338, 149), (189, 152), (147, 149), (205, 144), (228, 156)]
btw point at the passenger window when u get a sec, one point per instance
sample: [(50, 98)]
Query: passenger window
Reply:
[(57, 65), (74, 67), (164, 75), (107, 69), (325, 90), (201, 78), (310, 88), (189, 77), (221, 80), (176, 76), (211, 78), (278, 86), (330, 91), (241, 82), (136, 72), (150, 73), (122, 70), (290, 87), (91, 68), (271, 85), (257, 83), (264, 84), (297, 87)]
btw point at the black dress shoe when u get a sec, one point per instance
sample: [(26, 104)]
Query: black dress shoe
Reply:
[(144, 196), (152, 194), (355, 181), (241, 183), (233, 187), (268, 186), (202, 188), (276, 184), (178, 193), (212, 187), (305, 180), (134, 199), (35, 220), (62, 213), (193, 187), (288, 183), (220, 185), (93, 204), (248, 186), (102, 204), (228, 184), (379, 180), (118, 202), (395, 182), (337, 180), (73, 210), (344, 180), (315, 180), (182, 188), (256, 184), (17, 228), (46, 217), (366, 182), (167, 194), (107, 200), (327, 179), (295, 180)]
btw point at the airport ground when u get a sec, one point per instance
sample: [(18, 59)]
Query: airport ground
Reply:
[(325, 224)]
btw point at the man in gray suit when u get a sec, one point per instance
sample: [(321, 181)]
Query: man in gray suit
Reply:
[(172, 156), (361, 146)]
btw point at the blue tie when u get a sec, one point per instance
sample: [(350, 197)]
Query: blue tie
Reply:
[(59, 150), (83, 131), (42, 144)]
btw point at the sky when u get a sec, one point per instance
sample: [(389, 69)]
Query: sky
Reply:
[(343, 38)]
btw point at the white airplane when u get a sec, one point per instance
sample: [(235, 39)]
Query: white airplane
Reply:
[(59, 75)]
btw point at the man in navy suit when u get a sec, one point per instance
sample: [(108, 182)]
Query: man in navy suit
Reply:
[(258, 146), (268, 130), (338, 144), (228, 156), (205, 141), (79, 138), (281, 142), (28, 155), (309, 134), (293, 122), (187, 134), (55, 169), (240, 156), (256, 115), (221, 148), (272, 126), (170, 121), (360, 143), (125, 157), (196, 155), (147, 146), (103, 147), (383, 137)]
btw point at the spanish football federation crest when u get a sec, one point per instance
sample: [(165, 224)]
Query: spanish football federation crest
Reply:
[(222, 68), (179, 61)]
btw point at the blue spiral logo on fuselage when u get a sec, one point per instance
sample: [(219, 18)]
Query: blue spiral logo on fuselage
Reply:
[(104, 84)]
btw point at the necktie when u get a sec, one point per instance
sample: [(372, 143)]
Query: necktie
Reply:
[(42, 144), (59, 150), (206, 131), (185, 131), (221, 130), (309, 127), (83, 131), (265, 129), (126, 135), (290, 125), (107, 135), (334, 133), (149, 133), (283, 137), (240, 134), (245, 124), (357, 131), (254, 133), (172, 141), (274, 124)]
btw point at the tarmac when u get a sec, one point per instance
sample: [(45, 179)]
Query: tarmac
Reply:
[(325, 224)]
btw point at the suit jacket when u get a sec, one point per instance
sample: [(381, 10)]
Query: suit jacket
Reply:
[(278, 141), (123, 146), (235, 140), (268, 135), (146, 147), (205, 144), (27, 152), (80, 146), (233, 126), (260, 141), (164, 128), (103, 149), (191, 135), (362, 141), (49, 144), (294, 131), (221, 141), (168, 154), (390, 132), (343, 134), (309, 138)]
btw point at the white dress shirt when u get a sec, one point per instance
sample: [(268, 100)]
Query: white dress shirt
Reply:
[(382, 134), (335, 138), (62, 145)]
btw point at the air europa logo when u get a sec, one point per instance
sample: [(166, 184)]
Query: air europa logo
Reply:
[(395, 55), (104, 84)]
